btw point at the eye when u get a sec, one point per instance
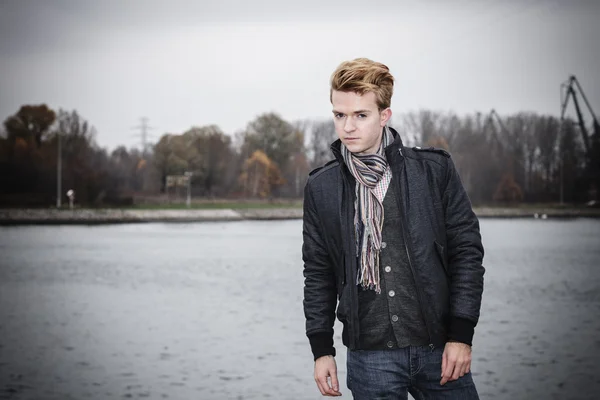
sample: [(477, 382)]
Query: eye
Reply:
[(362, 116), (338, 115)]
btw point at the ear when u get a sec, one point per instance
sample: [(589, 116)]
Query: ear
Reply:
[(385, 116)]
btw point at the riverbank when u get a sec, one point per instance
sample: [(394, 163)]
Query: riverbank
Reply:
[(114, 216)]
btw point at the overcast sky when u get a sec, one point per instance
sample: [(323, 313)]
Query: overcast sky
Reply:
[(184, 63)]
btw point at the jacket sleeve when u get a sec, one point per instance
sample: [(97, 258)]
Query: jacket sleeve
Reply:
[(320, 296), (465, 258)]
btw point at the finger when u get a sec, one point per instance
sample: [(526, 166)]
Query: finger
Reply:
[(457, 371), (319, 386), (444, 362), (324, 389), (447, 375), (322, 386), (463, 369), (334, 382), (467, 367), (327, 391), (447, 371)]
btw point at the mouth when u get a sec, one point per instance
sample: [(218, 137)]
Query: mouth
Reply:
[(350, 139)]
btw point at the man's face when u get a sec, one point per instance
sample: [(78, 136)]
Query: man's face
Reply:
[(358, 122)]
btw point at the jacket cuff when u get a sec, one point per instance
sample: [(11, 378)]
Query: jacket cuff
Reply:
[(321, 344), (461, 330)]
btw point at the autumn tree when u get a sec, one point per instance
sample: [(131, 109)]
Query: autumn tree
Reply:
[(260, 175), (30, 123), (211, 158), (274, 136), (22, 166), (508, 191), (279, 141)]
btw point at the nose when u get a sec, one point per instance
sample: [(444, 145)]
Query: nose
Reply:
[(348, 125)]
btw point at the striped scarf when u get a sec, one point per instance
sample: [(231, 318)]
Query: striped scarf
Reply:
[(368, 209)]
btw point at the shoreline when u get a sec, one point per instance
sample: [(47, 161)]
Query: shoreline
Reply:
[(119, 216)]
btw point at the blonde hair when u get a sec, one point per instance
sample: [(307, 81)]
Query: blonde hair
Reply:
[(362, 75)]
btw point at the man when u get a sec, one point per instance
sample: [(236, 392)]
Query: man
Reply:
[(390, 238)]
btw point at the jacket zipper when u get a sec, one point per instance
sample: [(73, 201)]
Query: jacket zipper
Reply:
[(408, 254)]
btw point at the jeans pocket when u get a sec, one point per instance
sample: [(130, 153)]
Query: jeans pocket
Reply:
[(432, 371)]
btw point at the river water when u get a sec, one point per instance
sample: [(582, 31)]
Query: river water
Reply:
[(214, 311)]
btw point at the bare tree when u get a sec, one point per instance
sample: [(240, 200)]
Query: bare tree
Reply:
[(321, 135)]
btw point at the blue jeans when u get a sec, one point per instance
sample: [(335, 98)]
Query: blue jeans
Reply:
[(392, 374)]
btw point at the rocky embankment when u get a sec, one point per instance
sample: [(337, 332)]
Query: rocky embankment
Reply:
[(110, 216)]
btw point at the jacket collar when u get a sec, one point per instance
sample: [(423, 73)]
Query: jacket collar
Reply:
[(395, 147)]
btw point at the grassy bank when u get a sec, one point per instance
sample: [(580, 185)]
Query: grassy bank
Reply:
[(243, 210), (219, 205)]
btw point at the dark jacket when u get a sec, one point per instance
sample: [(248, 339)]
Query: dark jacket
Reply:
[(442, 242)]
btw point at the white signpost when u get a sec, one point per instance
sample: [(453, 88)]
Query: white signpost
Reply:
[(176, 181)]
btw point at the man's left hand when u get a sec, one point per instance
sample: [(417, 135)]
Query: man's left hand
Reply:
[(456, 361)]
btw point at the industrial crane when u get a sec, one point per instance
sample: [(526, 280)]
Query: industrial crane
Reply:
[(492, 114), (591, 144), (567, 91)]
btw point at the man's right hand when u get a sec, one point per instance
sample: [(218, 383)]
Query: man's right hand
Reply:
[(325, 367)]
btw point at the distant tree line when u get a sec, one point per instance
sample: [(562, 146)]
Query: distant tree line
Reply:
[(519, 158), (524, 157)]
